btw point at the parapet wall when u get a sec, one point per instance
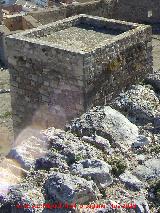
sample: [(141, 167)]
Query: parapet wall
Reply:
[(135, 11)]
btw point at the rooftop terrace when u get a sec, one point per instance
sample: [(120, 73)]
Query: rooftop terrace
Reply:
[(83, 38), (79, 33)]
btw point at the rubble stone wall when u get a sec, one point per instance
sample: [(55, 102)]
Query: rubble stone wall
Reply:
[(96, 8), (48, 16), (137, 11)]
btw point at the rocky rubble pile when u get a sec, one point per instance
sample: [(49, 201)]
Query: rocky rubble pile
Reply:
[(110, 155)]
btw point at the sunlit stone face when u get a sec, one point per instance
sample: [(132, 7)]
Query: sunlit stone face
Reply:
[(10, 174)]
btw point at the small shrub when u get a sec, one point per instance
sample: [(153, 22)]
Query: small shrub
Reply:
[(118, 165), (155, 149), (5, 115)]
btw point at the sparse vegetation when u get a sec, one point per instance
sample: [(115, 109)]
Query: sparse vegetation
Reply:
[(5, 115), (155, 148), (118, 165)]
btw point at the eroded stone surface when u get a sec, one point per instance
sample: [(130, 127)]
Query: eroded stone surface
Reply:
[(97, 170), (70, 189), (109, 123)]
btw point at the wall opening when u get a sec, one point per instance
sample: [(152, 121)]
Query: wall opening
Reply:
[(150, 14)]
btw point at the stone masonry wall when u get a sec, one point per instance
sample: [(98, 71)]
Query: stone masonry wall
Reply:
[(3, 31), (14, 23), (52, 85), (11, 25), (96, 8), (137, 11), (48, 16), (123, 65), (45, 82)]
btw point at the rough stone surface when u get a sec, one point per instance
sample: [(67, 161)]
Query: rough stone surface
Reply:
[(51, 161), (140, 102), (28, 150), (97, 170), (99, 142), (70, 147), (154, 80), (70, 189), (131, 181), (150, 169), (141, 141), (109, 123)]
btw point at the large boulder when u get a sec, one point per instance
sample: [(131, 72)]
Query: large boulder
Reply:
[(108, 123), (150, 169), (131, 181), (140, 103), (28, 151), (97, 170), (67, 188)]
